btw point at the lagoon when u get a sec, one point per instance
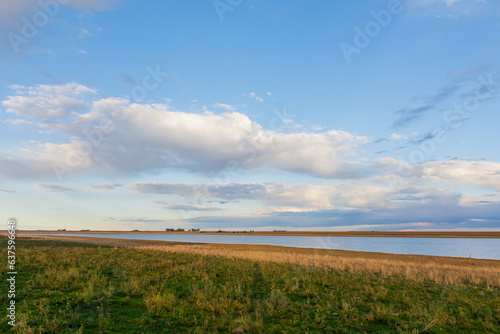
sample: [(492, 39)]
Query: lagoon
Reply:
[(454, 247)]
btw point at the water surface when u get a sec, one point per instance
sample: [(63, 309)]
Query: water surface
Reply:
[(455, 247)]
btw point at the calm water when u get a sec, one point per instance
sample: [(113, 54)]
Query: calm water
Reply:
[(456, 247)]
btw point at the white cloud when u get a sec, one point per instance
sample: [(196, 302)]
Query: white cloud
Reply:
[(226, 107), (18, 121), (300, 196), (485, 174), (345, 136), (148, 137), (152, 137), (253, 95), (290, 124), (329, 196), (477, 173), (321, 154), (45, 160), (47, 100), (84, 33), (396, 136)]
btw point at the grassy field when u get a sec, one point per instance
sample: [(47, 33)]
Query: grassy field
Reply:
[(68, 287)]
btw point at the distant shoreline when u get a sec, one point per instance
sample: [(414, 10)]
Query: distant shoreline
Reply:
[(269, 249), (395, 234)]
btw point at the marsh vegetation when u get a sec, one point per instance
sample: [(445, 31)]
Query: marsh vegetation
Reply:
[(68, 287)]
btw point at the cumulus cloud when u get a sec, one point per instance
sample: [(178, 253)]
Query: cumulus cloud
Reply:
[(477, 173), (18, 121), (302, 196), (53, 101), (329, 195), (148, 137), (322, 154), (117, 135), (485, 174), (433, 215), (45, 160)]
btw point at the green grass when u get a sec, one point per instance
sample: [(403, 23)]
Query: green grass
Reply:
[(79, 288)]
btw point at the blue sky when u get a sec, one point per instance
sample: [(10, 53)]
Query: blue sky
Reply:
[(249, 114)]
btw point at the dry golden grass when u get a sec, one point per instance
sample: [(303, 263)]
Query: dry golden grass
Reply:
[(421, 268), (441, 273)]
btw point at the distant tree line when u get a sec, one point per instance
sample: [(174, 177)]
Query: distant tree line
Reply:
[(182, 230)]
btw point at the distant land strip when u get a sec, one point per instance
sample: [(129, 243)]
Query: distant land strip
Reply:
[(391, 234)]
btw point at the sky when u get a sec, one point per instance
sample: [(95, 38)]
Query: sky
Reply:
[(250, 114)]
